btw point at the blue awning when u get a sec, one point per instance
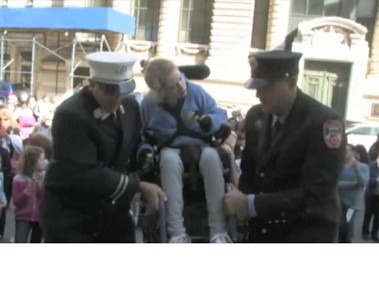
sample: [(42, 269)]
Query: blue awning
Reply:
[(93, 19)]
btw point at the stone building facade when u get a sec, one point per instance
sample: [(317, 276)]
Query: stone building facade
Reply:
[(339, 40)]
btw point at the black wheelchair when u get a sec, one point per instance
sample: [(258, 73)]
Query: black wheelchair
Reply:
[(153, 223)]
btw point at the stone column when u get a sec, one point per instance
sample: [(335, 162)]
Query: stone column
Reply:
[(168, 30), (230, 41), (277, 26), (374, 60), (124, 6)]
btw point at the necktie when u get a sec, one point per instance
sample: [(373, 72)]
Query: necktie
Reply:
[(114, 118), (275, 130)]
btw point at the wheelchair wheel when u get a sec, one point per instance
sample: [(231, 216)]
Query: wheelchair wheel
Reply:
[(149, 224)]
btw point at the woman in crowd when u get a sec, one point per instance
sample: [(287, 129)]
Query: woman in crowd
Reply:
[(372, 198), (352, 183)]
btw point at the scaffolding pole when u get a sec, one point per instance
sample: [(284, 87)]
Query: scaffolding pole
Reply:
[(73, 56), (2, 58), (102, 43), (32, 67), (73, 63)]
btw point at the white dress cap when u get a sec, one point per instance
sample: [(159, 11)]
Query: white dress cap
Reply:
[(115, 68)]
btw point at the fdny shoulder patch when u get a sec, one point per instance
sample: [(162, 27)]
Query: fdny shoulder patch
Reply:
[(332, 131)]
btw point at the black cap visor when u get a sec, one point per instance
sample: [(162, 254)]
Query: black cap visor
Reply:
[(256, 83)]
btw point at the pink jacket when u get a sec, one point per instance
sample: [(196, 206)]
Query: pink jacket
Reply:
[(26, 195)]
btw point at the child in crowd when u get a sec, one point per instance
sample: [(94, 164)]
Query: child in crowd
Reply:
[(27, 190), (3, 199)]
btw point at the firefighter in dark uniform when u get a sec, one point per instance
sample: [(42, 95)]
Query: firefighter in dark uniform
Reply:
[(92, 176), (292, 159)]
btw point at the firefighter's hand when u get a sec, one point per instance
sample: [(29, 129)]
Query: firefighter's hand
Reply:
[(152, 194), (236, 204)]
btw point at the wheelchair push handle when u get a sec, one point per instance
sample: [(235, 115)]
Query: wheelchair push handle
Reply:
[(232, 222), (222, 134), (162, 222)]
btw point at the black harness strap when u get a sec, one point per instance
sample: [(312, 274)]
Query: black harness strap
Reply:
[(181, 128)]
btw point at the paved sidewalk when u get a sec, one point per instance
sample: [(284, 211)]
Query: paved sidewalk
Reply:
[(10, 229)]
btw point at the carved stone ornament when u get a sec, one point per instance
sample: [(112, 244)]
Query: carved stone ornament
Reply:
[(140, 46), (331, 30), (191, 49)]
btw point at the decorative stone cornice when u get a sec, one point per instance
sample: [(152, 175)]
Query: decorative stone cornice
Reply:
[(140, 46), (191, 49)]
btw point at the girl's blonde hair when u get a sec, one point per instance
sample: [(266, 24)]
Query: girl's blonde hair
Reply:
[(29, 158), (6, 115)]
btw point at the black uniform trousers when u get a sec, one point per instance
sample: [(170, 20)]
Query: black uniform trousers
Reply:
[(371, 213)]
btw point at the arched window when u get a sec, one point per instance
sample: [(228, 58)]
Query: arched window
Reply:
[(361, 11)]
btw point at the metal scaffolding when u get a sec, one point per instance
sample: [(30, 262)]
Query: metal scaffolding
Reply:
[(79, 50), (34, 35)]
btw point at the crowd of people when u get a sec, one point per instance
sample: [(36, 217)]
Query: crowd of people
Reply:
[(25, 146)]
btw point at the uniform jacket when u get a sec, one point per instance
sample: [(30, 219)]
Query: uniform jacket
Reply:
[(91, 158), (352, 184), (3, 198), (372, 183), (295, 179), (163, 124), (6, 169)]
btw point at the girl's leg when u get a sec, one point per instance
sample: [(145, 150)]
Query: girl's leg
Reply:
[(36, 233), (22, 231)]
